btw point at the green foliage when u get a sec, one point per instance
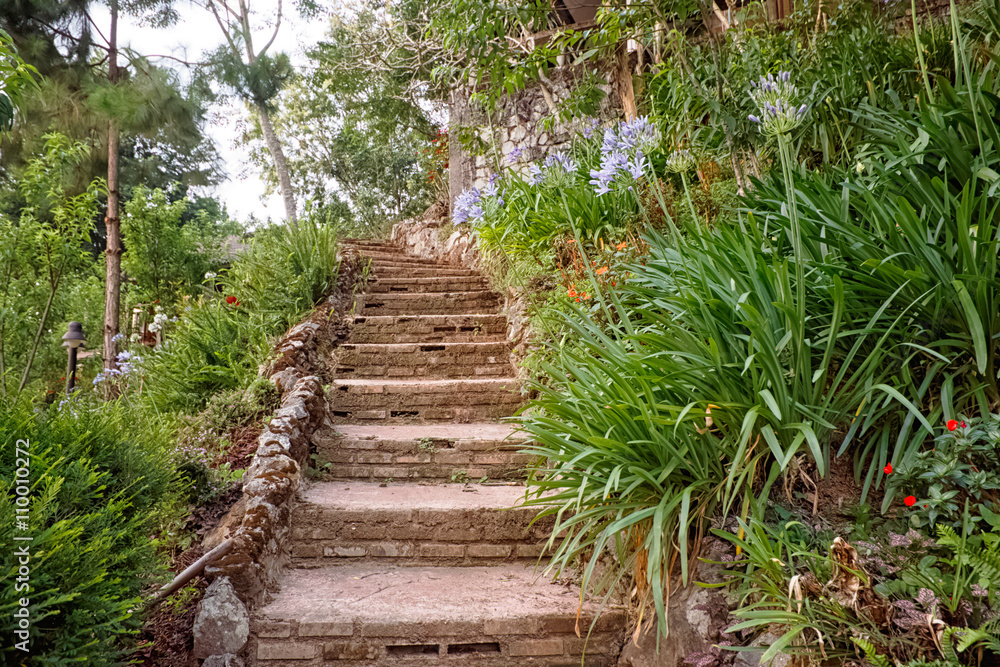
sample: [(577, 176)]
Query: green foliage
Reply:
[(220, 340), (359, 133), (700, 94), (96, 474), (15, 76), (958, 468), (39, 254), (165, 258)]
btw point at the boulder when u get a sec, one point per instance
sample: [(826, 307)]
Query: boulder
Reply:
[(222, 624)]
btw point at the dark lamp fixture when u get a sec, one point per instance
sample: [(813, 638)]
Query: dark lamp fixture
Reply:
[(71, 341), (74, 337)]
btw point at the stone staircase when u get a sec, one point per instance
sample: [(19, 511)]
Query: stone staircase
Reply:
[(413, 549)]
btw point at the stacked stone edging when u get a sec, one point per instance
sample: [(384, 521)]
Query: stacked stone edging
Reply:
[(261, 539)]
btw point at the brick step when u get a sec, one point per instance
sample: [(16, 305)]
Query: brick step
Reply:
[(436, 452), (485, 327), (398, 256), (411, 271), (390, 283), (434, 400), (454, 524), (423, 360), (399, 259), (380, 615), (432, 303)]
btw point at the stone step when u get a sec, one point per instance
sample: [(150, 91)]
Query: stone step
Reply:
[(378, 615), (433, 400), (454, 524), (483, 327), (432, 303), (390, 283), (439, 360), (398, 257), (438, 452), (414, 271)]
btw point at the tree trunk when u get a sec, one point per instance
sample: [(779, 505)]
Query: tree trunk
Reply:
[(280, 166), (113, 254)]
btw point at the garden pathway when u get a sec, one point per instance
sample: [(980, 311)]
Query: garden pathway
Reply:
[(413, 550)]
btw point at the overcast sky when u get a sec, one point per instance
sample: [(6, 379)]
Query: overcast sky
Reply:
[(197, 32)]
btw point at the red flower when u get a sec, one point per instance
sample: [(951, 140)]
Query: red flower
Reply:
[(909, 501), (887, 469), (963, 424), (231, 300), (952, 424)]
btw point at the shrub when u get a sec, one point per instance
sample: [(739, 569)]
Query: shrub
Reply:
[(96, 475), (219, 341)]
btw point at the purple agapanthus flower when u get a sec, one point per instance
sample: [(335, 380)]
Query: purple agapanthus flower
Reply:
[(537, 176), (561, 159), (638, 166), (515, 155), (467, 206)]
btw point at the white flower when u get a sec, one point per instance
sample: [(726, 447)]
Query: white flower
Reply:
[(210, 276), (859, 167)]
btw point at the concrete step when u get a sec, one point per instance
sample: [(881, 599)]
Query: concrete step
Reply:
[(435, 360), (406, 269), (397, 256), (453, 524), (390, 283), (484, 327), (378, 615), (432, 400), (438, 452), (433, 303), (416, 271)]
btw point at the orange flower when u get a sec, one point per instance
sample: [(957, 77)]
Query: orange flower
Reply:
[(601, 271), (621, 246), (584, 296), (571, 292)]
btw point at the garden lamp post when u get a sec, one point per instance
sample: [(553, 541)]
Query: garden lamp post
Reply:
[(72, 341)]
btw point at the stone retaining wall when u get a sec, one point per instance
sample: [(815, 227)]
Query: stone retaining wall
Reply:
[(523, 123), (260, 522)]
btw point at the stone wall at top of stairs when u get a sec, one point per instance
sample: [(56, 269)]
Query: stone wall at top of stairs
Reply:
[(422, 237)]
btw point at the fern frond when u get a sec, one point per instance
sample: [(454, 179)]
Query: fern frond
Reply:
[(876, 659)]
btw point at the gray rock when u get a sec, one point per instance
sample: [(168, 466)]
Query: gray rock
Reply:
[(689, 630), (226, 660), (222, 624), (752, 658)]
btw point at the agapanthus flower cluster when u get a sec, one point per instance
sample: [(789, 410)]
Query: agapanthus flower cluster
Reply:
[(680, 161), (467, 206), (515, 155), (492, 190), (591, 125), (777, 100), (125, 364), (615, 163), (563, 160), (622, 153), (630, 135)]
